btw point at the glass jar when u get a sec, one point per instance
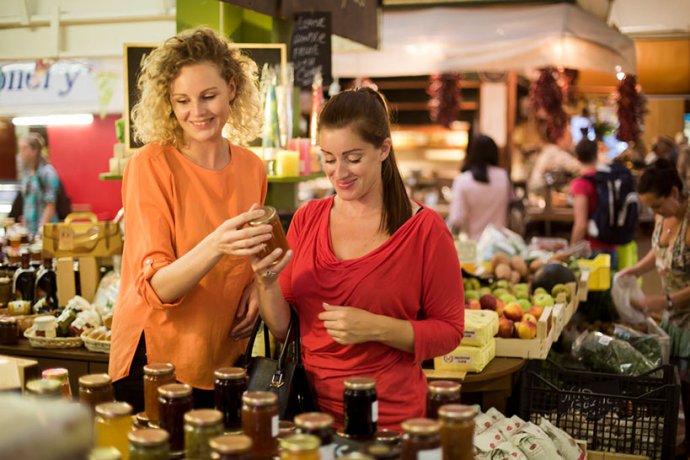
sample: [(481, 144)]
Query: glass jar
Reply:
[(231, 447), (104, 453), (421, 439), (9, 332), (45, 326), (356, 456), (285, 428), (155, 376), (383, 452), (300, 447), (260, 422), (457, 431), (148, 444), (230, 384), (174, 400), (387, 437), (95, 389), (5, 291), (113, 424), (361, 407), (278, 239), (439, 393), (320, 425), (200, 426), (61, 375), (141, 421), (44, 388)]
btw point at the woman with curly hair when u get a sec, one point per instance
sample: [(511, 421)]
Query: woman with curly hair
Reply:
[(187, 292)]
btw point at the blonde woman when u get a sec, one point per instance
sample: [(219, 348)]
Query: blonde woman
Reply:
[(186, 295)]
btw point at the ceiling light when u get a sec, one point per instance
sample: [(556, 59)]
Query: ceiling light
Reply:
[(75, 119)]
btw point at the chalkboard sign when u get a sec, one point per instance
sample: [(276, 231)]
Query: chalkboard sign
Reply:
[(311, 48), (262, 53)]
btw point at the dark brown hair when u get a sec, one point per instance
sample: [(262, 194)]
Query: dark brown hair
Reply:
[(482, 153), (366, 112), (659, 179)]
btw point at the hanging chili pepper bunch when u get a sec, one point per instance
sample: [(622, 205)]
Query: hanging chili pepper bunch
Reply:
[(546, 96), (632, 106), (444, 103), (567, 79)]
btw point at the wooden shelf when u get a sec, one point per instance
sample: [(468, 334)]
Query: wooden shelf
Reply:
[(294, 179), (421, 106), (419, 84), (108, 176)]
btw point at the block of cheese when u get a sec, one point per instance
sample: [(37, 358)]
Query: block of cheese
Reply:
[(480, 327), (467, 358)]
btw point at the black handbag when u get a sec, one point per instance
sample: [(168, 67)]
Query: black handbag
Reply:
[(284, 376)]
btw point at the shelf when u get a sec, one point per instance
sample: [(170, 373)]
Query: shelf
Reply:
[(294, 179), (421, 106), (109, 176), (384, 85)]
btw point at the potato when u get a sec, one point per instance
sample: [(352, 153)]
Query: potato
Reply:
[(519, 265), (503, 271), (499, 258), (515, 277)]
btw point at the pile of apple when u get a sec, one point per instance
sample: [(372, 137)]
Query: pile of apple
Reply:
[(518, 311)]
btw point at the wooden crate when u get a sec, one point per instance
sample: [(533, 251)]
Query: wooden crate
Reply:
[(537, 348), (596, 455)]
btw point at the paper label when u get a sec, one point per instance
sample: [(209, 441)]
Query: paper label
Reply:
[(431, 454), (375, 411), (327, 452), (274, 426), (470, 334), (604, 340), (457, 359)]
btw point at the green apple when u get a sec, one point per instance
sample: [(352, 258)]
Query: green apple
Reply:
[(472, 295), (525, 304), (540, 290), (484, 291), (499, 292), (507, 298), (558, 288), (502, 284), (521, 294), (520, 287), (543, 300)]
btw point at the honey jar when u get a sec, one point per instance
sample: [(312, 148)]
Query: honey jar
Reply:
[(457, 431), (155, 376), (260, 422), (278, 239), (231, 447)]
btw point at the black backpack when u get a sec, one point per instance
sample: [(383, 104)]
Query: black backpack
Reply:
[(615, 217), (63, 203)]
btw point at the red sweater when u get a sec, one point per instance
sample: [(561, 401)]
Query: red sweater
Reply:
[(414, 275)]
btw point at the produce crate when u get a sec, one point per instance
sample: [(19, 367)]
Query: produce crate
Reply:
[(624, 414), (599, 272), (536, 348)]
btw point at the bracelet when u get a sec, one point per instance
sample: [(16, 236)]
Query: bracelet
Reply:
[(669, 302)]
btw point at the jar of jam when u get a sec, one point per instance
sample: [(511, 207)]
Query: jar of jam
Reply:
[(155, 376), (300, 447), (383, 452), (421, 439), (361, 407), (5, 291), (9, 332), (457, 431), (174, 400), (278, 239), (439, 393), (231, 447), (95, 389), (148, 444), (44, 388), (61, 375), (320, 425), (112, 425), (230, 384), (260, 422), (285, 428), (141, 421), (200, 426), (387, 437)]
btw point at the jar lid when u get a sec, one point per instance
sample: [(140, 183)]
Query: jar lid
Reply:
[(57, 373), (175, 390), (8, 322), (270, 214), (44, 321), (285, 428), (300, 443), (148, 437), (230, 373), (387, 436), (360, 383), (356, 456), (94, 380), (105, 453), (159, 369), (44, 387), (457, 412), (231, 444), (113, 409), (203, 417), (142, 419), (314, 420), (421, 426), (383, 451), (259, 398), (444, 387)]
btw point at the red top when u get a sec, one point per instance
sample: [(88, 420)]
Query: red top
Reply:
[(414, 275), (583, 186)]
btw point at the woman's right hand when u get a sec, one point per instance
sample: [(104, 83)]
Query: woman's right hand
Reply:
[(265, 270), (233, 237), (630, 271)]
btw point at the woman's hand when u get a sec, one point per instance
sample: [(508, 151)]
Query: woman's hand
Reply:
[(247, 311), (233, 238), (267, 270), (349, 325), (630, 271)]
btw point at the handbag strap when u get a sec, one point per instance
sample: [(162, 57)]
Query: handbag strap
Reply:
[(294, 325), (292, 339)]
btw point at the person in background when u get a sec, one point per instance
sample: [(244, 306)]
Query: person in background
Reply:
[(39, 185), (373, 276), (482, 192), (554, 157), (683, 159), (661, 189), (663, 148), (186, 291)]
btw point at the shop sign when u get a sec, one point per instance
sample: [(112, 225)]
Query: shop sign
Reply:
[(311, 48)]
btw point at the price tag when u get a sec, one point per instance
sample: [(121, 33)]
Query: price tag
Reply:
[(375, 411)]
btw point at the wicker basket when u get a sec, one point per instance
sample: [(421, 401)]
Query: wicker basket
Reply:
[(57, 342), (98, 346)]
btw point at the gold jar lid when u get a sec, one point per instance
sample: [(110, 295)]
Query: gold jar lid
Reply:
[(175, 390), (142, 419), (356, 456), (387, 436), (159, 369), (360, 383), (44, 387), (231, 444), (113, 409), (105, 453), (379, 450), (203, 417), (259, 398), (313, 420), (148, 437), (230, 373), (300, 443), (421, 426), (94, 380), (444, 387), (270, 214), (457, 412)]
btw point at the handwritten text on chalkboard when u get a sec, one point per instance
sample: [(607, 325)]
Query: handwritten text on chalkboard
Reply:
[(311, 47)]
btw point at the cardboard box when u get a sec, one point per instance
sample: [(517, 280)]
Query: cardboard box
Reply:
[(467, 358), (480, 327)]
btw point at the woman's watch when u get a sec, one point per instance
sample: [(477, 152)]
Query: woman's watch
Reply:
[(669, 302)]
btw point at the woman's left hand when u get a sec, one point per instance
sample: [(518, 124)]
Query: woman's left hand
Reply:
[(247, 311), (652, 304), (349, 325)]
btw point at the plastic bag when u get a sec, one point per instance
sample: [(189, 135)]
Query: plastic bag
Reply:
[(493, 240), (106, 294), (654, 344), (624, 292), (607, 354)]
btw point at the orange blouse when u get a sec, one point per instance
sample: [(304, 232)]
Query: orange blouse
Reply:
[(171, 204)]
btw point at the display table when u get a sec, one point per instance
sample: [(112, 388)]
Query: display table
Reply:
[(78, 361), (495, 382)]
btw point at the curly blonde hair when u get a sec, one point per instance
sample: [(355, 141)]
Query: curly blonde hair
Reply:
[(153, 117)]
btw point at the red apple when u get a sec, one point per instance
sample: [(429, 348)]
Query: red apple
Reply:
[(536, 310), (526, 329), (513, 311), (505, 328), (529, 317), (500, 306), (488, 302), (473, 305)]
